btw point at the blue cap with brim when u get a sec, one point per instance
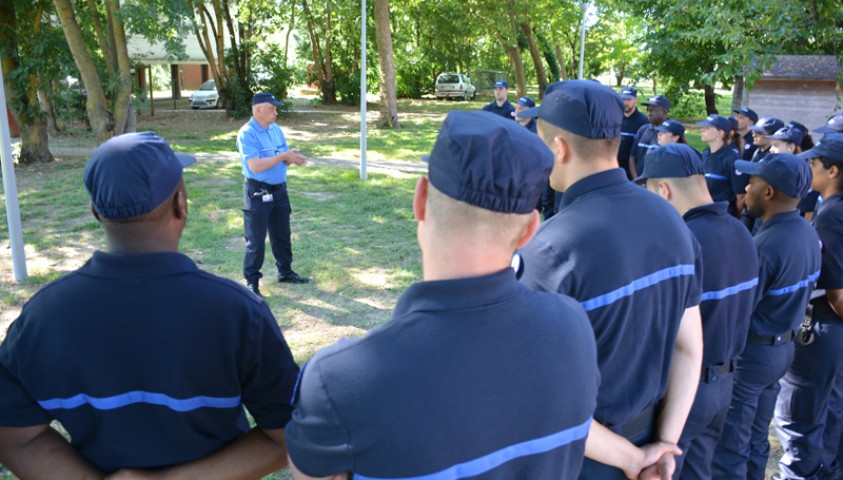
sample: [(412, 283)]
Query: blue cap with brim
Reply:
[(582, 107), (526, 102), (748, 113), (672, 126), (767, 125), (833, 125), (501, 84), (628, 93), (658, 101), (672, 161), (717, 121), (786, 172), (490, 162), (829, 147), (789, 134), (130, 175), (266, 97)]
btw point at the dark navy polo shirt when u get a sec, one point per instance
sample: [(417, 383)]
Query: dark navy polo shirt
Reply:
[(829, 225), (629, 127), (146, 360), (472, 378), (749, 147), (730, 276), (626, 255), (645, 140), (532, 126), (724, 183), (789, 264), (506, 110)]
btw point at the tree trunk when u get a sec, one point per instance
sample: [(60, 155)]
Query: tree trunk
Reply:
[(33, 127), (738, 91), (95, 103), (710, 100), (289, 31), (123, 108), (537, 59), (49, 112), (102, 38), (322, 60), (383, 34), (563, 73)]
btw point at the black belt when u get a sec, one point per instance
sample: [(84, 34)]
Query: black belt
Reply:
[(265, 186), (712, 373), (640, 425), (770, 339)]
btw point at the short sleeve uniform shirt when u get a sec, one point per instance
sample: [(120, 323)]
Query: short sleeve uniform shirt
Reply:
[(789, 264), (506, 110), (146, 360), (730, 276), (829, 226), (472, 378), (585, 252), (254, 141)]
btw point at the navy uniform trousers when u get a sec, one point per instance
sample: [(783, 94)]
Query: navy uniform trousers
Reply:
[(744, 445), (260, 216), (704, 426), (808, 409)]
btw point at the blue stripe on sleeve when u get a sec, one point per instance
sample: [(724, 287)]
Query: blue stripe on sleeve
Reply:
[(715, 176), (639, 284), (138, 396), (627, 134), (493, 460), (792, 288), (729, 291)]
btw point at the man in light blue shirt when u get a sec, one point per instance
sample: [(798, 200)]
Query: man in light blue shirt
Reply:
[(264, 156)]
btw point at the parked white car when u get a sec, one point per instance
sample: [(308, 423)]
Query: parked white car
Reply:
[(206, 96), (454, 85)]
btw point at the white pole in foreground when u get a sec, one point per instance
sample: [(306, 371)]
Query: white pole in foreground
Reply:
[(363, 91), (584, 6), (11, 191)]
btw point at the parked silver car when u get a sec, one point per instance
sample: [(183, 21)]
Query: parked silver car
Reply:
[(206, 96), (454, 85)]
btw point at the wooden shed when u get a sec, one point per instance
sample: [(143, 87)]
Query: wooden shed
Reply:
[(804, 88)]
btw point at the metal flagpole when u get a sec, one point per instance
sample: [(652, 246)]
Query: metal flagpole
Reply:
[(363, 91), (10, 188)]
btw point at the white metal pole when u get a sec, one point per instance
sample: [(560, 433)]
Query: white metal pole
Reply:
[(11, 191), (584, 6), (363, 91)]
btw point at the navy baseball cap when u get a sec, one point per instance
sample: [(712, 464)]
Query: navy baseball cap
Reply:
[(767, 125), (131, 174), (833, 125), (658, 101), (629, 92), (717, 121), (501, 84), (671, 126), (490, 162), (733, 122), (829, 147), (526, 102), (671, 161), (266, 97), (749, 113), (788, 173), (585, 108), (553, 87), (789, 133)]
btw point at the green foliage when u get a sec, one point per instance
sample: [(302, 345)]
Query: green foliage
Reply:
[(270, 73)]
